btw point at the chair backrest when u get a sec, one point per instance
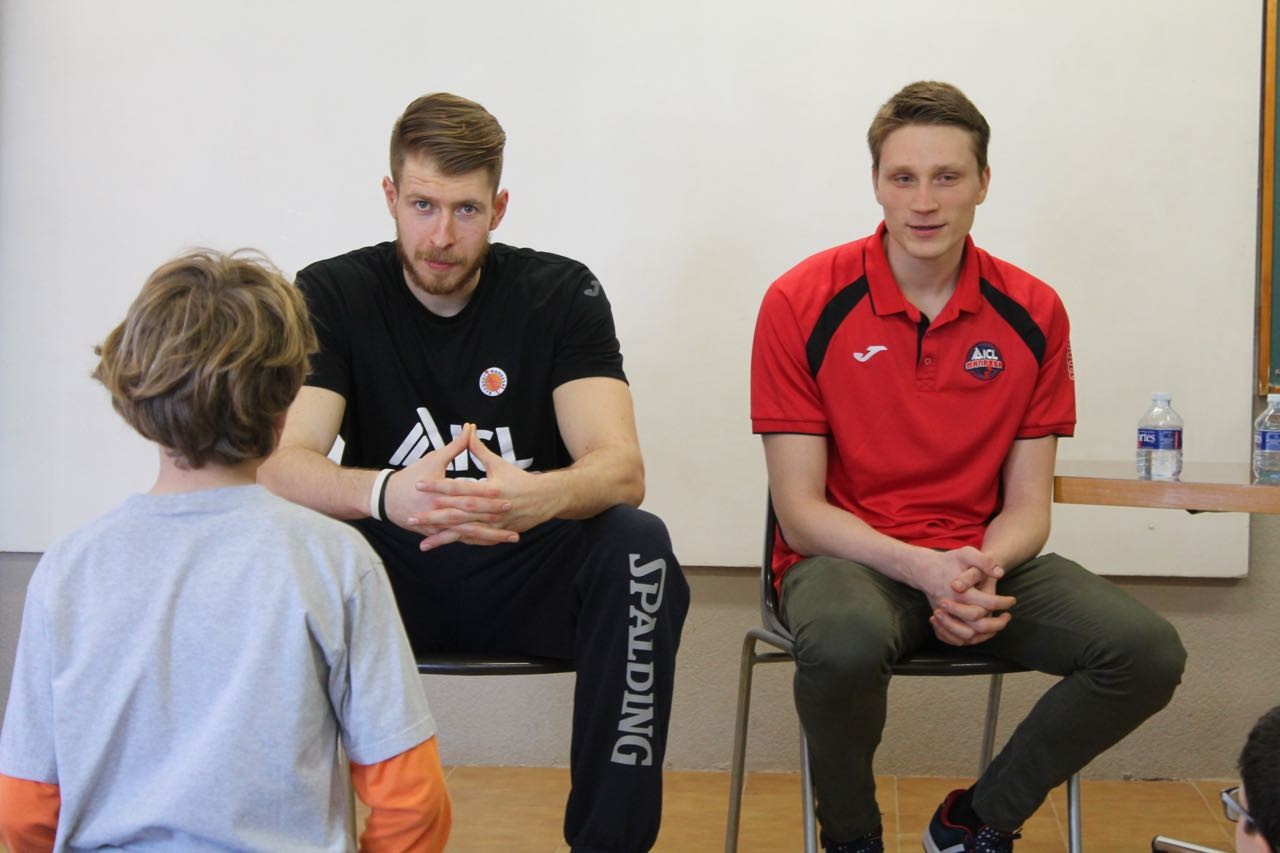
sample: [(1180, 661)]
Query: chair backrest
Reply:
[(769, 616)]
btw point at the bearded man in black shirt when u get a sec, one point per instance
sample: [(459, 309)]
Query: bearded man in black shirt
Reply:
[(490, 456)]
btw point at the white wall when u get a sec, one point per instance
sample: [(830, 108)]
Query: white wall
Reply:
[(688, 151)]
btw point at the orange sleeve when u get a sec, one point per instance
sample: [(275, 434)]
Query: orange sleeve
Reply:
[(409, 803), (28, 814)]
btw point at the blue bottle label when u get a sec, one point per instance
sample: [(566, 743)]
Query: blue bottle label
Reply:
[(1150, 438), (1267, 440)]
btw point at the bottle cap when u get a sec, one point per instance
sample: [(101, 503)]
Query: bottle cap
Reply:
[(1166, 396), (1272, 399)]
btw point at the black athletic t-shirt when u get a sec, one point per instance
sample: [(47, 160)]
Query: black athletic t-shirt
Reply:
[(411, 378)]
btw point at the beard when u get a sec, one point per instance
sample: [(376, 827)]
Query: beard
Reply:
[(444, 284)]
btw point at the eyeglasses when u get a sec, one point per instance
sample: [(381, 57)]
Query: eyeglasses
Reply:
[(1233, 810)]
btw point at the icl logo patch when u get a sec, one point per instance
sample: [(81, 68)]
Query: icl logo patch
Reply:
[(984, 361)]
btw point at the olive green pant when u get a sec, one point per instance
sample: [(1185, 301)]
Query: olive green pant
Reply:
[(1119, 661)]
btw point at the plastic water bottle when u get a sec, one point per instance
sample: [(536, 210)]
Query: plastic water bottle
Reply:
[(1266, 442), (1159, 454)]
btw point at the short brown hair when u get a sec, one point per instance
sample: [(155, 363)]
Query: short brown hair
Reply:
[(209, 357), (930, 103), (457, 135), (1260, 775)]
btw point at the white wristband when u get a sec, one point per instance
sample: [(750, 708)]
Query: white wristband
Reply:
[(378, 493)]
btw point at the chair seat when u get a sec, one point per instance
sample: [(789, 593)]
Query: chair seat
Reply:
[(954, 660), (468, 663)]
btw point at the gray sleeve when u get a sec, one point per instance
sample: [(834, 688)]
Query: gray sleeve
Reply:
[(27, 742), (378, 692)]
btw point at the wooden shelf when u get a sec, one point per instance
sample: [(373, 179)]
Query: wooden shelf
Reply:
[(1203, 487)]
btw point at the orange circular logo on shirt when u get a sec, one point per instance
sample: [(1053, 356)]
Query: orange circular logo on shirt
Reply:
[(493, 381)]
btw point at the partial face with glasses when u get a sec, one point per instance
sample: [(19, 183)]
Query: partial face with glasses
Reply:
[(1235, 807)]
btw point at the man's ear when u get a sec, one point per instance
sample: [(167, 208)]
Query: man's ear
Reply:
[(499, 208), (389, 190)]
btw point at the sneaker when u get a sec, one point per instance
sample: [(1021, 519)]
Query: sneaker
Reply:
[(870, 843), (943, 836)]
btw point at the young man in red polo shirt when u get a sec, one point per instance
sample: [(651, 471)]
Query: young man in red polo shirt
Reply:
[(910, 390)]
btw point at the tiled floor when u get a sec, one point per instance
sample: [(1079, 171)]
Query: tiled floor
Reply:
[(519, 809)]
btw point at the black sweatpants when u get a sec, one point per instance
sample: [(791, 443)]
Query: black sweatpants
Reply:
[(606, 592)]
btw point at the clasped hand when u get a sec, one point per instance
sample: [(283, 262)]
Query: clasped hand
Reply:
[(961, 588), (491, 511)]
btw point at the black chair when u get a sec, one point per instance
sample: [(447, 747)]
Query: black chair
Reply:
[(465, 663), (461, 663), (940, 661)]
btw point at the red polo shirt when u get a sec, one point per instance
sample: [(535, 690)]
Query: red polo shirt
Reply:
[(919, 414)]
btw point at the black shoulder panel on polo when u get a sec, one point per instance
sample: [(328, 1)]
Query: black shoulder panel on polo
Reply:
[(833, 314), (1017, 317)]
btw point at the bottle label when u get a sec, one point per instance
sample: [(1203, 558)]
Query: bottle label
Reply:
[(1267, 440), (1150, 438)]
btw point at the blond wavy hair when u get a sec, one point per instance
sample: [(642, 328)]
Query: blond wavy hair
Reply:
[(209, 357)]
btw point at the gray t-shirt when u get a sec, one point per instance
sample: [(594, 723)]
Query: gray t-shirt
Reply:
[(186, 666)]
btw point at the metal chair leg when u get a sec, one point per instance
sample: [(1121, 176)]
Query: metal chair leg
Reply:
[(1073, 813), (806, 797), (738, 769), (993, 716)]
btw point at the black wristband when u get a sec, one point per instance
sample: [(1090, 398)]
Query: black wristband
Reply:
[(382, 496)]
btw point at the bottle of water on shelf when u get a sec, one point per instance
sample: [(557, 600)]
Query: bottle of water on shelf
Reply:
[(1159, 454), (1266, 442)]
